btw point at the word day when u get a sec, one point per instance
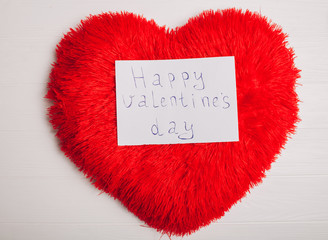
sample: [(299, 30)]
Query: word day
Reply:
[(172, 128)]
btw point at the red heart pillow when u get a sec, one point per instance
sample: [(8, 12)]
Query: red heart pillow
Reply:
[(181, 187)]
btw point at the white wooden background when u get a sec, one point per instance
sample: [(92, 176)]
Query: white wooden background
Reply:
[(43, 196)]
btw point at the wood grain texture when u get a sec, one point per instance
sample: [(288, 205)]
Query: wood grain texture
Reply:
[(43, 196)]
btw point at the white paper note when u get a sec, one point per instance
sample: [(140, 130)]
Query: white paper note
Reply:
[(176, 101)]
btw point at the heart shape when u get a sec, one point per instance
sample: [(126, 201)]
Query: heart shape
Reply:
[(181, 187)]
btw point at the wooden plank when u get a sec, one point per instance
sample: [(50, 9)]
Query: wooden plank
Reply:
[(37, 153), (61, 231), (75, 200), (264, 230), (268, 231)]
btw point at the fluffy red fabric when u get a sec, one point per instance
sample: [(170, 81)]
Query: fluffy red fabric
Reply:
[(174, 188)]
